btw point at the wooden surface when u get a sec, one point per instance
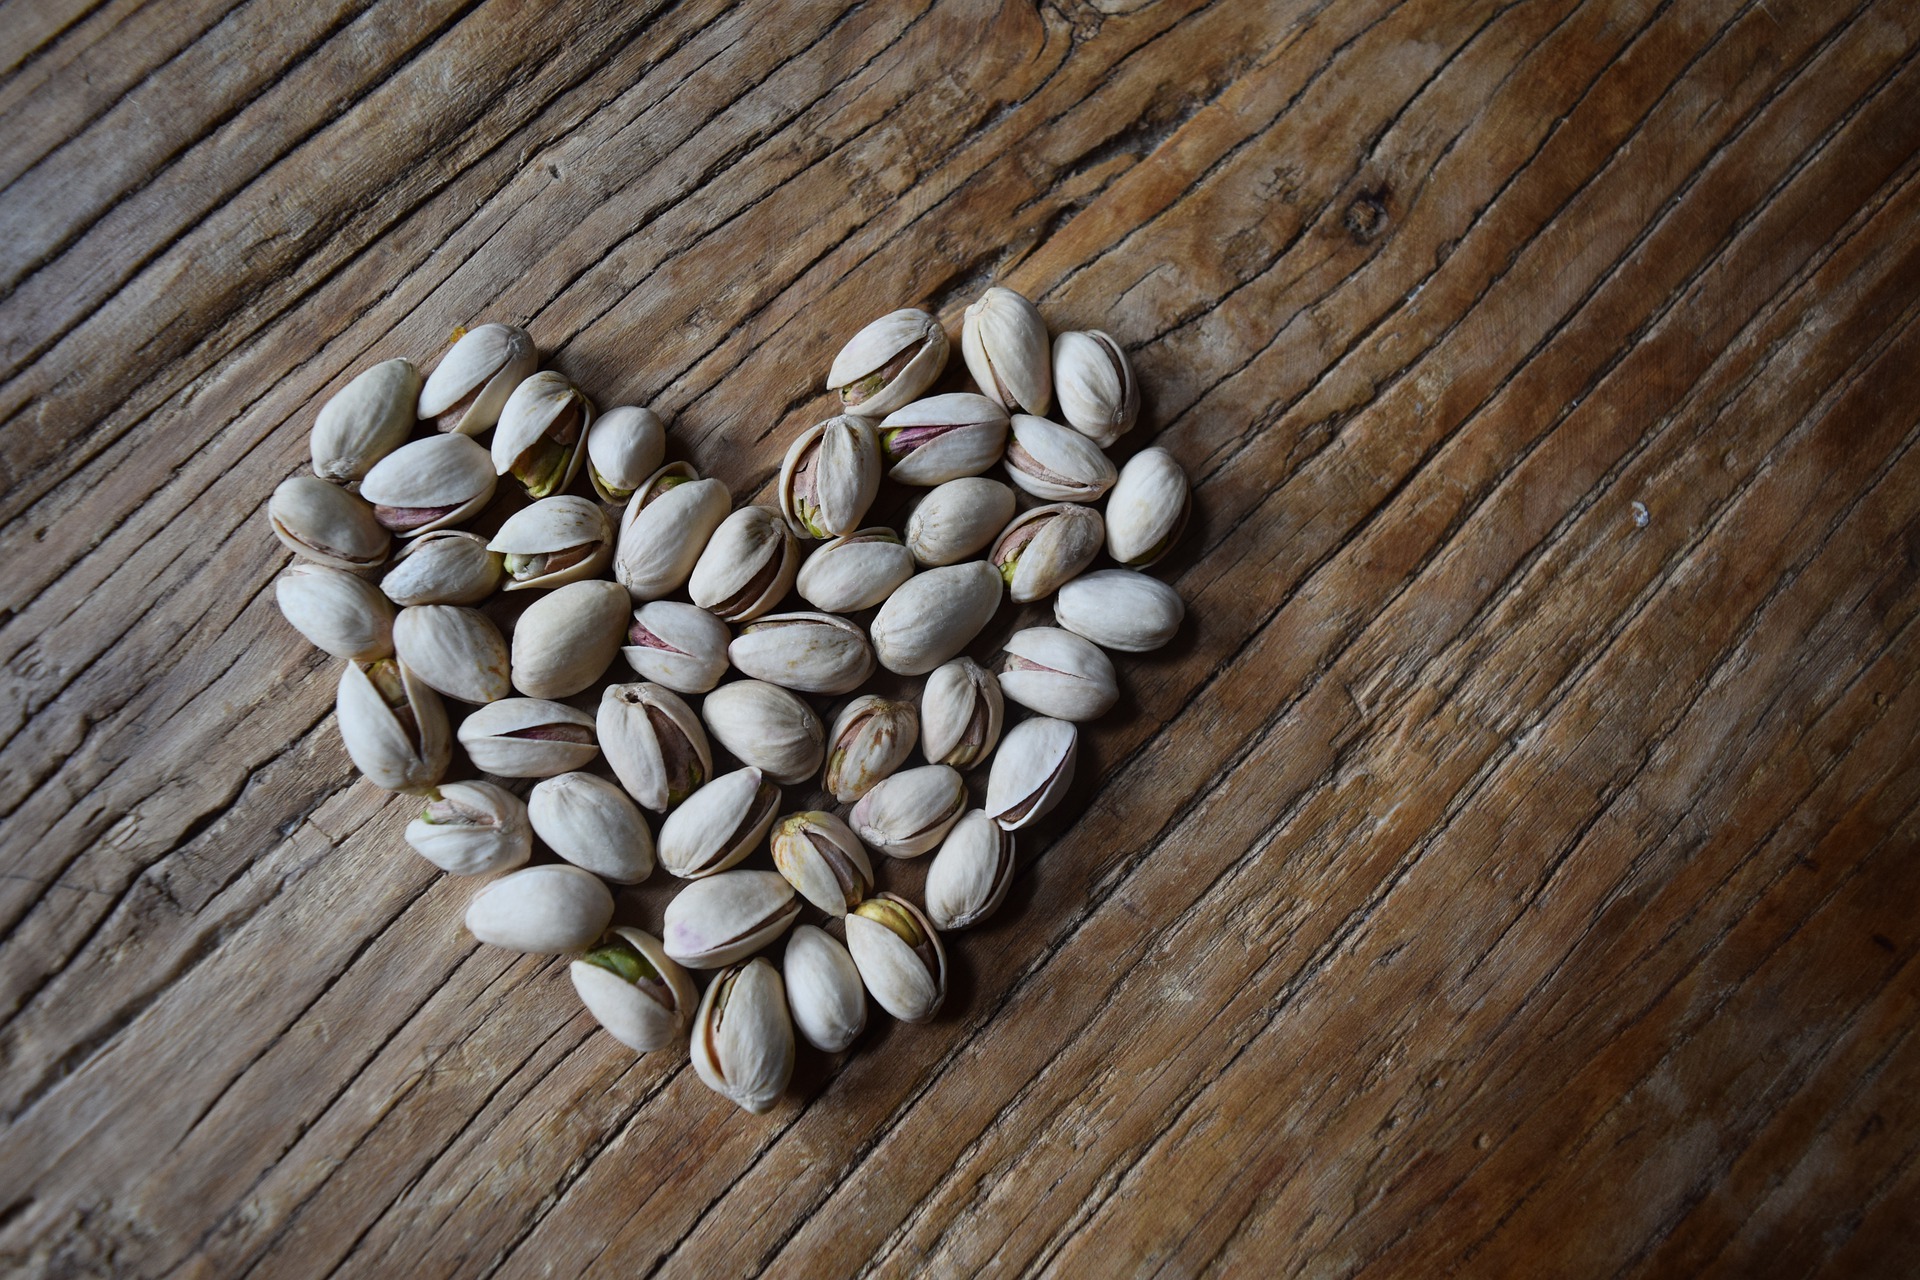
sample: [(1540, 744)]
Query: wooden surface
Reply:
[(1510, 871)]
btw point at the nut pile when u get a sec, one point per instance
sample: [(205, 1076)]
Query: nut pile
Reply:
[(663, 531)]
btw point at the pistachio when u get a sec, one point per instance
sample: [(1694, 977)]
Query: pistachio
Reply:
[(544, 910), (767, 727), (365, 421), (1032, 771), (666, 526), (1004, 341), (968, 878), (681, 646), (429, 484), (542, 434), (934, 615), (592, 824), (809, 652), (1056, 463), (943, 438), (958, 519), (528, 738), (830, 477), (1120, 609), (889, 363), (719, 825), (743, 1038), (324, 523), (855, 572), (456, 650), (654, 743), (635, 990), (870, 739), (567, 638), (468, 388), (911, 812), (823, 990), (472, 829), (1058, 674), (822, 858), (553, 542), (725, 918), (899, 955), (1148, 508), (1095, 386), (960, 713), (625, 445), (443, 567), (747, 566), (341, 614), (1044, 548), (393, 725)]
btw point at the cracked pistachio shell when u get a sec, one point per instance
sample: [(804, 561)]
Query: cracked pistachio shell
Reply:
[(822, 859), (528, 738), (666, 526), (681, 646), (468, 388), (1120, 609), (742, 1037), (1032, 771), (654, 743), (943, 438), (429, 485), (960, 713), (870, 739), (1058, 674), (899, 955), (958, 519), (1004, 342), (911, 812), (855, 572), (324, 523), (1046, 547), (830, 477), (1094, 384), (767, 727), (1056, 463), (542, 434), (545, 910), (446, 566), (393, 725), (747, 566), (889, 363), (823, 990), (455, 649), (809, 652), (472, 829), (341, 614), (934, 615), (553, 542), (719, 825), (635, 991), (723, 919), (968, 878), (625, 445), (1148, 508), (568, 638), (365, 421), (594, 825)]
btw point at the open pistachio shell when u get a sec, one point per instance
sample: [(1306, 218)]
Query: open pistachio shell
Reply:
[(1056, 463), (899, 955), (1004, 341), (968, 877), (681, 646), (747, 566), (542, 434), (393, 725), (719, 825), (634, 989), (821, 858), (654, 743), (667, 524), (830, 477), (911, 812), (725, 918), (961, 708), (1058, 674), (429, 484), (1032, 771), (1043, 549), (472, 829), (446, 566), (890, 363), (743, 1038), (468, 388), (553, 542), (870, 739), (324, 523), (625, 445), (942, 438), (528, 738)]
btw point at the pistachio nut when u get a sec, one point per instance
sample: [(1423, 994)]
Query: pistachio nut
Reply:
[(942, 438), (553, 542), (681, 646), (542, 434), (455, 649), (633, 988), (823, 990), (870, 739), (528, 738), (472, 829), (568, 637), (958, 519), (742, 1037), (1059, 674), (747, 566), (889, 363), (1032, 771), (341, 614), (960, 713), (723, 919), (625, 445), (429, 485), (899, 955), (809, 652), (822, 858), (767, 727), (468, 388), (393, 725), (719, 825), (665, 528), (1004, 341), (968, 878), (1045, 548), (855, 572), (545, 910), (911, 812), (592, 824), (934, 615), (1094, 385), (365, 421), (1056, 463), (830, 477), (324, 523), (1148, 508), (446, 566), (1120, 609), (654, 743)]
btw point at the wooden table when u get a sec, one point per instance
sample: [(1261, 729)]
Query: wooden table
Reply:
[(1509, 871)]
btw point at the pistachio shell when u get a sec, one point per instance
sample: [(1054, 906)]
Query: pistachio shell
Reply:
[(1094, 383), (528, 738), (468, 388), (821, 858), (1032, 771), (567, 638), (553, 542), (911, 812), (1058, 674), (341, 614), (429, 484), (899, 955), (870, 739), (635, 990), (943, 438), (810, 652), (960, 713), (719, 825), (830, 477), (823, 990), (681, 646), (1120, 609), (393, 725), (542, 434), (654, 743), (365, 421), (889, 363), (747, 566), (743, 1038), (324, 523), (968, 878), (1004, 341), (1148, 508), (472, 829), (767, 727), (456, 650), (1056, 463), (725, 918), (958, 519), (446, 566), (592, 824), (934, 615), (544, 910), (1043, 549), (667, 524), (855, 572), (625, 445)]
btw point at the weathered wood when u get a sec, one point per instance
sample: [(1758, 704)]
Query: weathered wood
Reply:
[(1508, 871)]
